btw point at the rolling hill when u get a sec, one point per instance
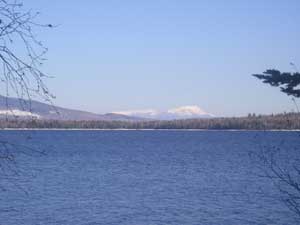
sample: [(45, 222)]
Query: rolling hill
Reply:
[(17, 108)]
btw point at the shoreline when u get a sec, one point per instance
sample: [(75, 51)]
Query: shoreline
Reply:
[(121, 129)]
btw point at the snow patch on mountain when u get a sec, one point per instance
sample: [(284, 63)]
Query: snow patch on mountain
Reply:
[(192, 110), (183, 112), (146, 112), (19, 113)]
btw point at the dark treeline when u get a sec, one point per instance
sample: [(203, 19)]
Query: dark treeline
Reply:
[(286, 121)]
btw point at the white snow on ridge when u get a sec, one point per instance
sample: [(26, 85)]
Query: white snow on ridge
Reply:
[(183, 112), (149, 112), (188, 111), (16, 112)]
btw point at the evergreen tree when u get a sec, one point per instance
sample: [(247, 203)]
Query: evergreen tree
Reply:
[(288, 82)]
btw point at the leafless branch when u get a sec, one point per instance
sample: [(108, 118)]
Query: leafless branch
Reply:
[(21, 56)]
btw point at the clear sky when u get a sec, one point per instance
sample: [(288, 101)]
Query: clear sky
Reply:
[(120, 55)]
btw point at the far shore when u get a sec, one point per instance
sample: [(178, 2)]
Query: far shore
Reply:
[(120, 129)]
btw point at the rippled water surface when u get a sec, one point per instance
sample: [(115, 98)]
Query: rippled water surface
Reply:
[(140, 178)]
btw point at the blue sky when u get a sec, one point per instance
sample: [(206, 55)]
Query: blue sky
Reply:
[(120, 55)]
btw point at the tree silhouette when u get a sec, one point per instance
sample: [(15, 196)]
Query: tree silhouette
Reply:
[(285, 176), (21, 57), (21, 53), (288, 82)]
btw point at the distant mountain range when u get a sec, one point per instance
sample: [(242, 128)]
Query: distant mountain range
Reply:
[(17, 108), (184, 112)]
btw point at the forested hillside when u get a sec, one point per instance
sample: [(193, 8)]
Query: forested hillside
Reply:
[(286, 121)]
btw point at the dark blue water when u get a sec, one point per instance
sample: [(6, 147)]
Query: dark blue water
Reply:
[(140, 178)]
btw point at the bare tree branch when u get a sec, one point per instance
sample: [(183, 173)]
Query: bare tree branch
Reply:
[(21, 56)]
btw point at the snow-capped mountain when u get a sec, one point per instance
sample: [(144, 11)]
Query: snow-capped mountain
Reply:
[(16, 108), (184, 112), (23, 109)]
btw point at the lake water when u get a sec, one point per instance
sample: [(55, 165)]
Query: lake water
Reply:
[(141, 178)]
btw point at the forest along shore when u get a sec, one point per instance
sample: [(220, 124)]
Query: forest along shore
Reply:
[(285, 121)]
